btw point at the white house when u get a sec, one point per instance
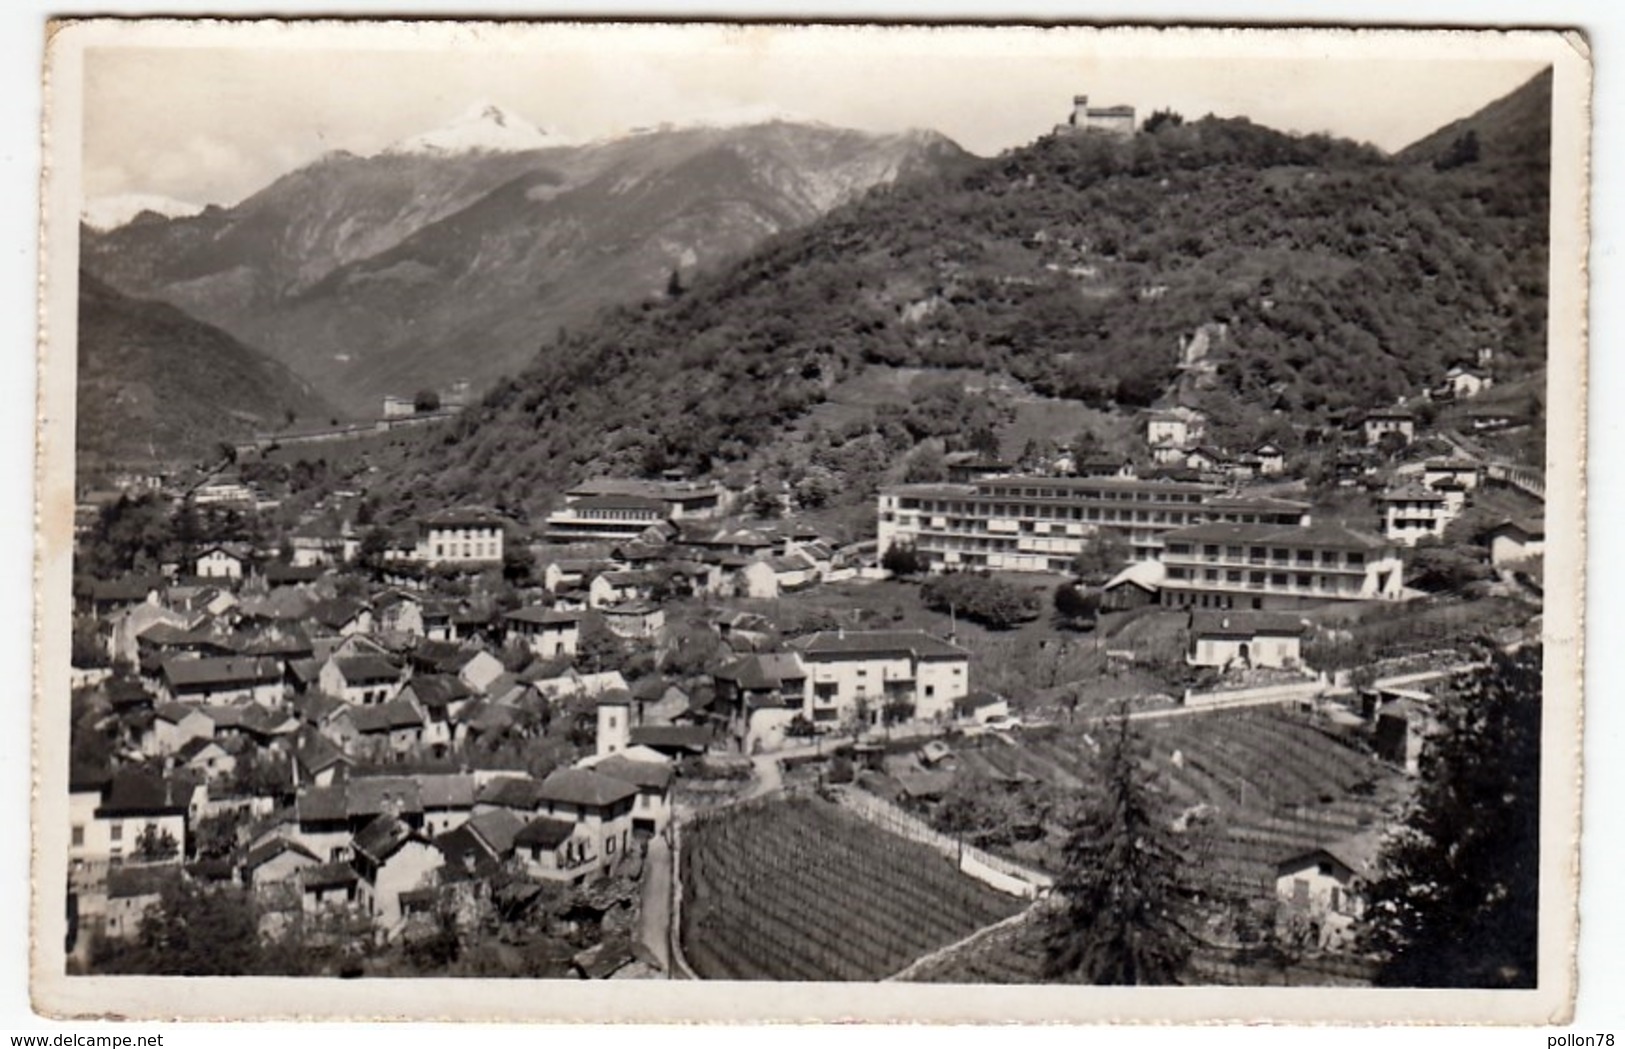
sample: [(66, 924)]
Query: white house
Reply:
[(455, 537), (600, 808), (362, 679), (1398, 421), (1246, 639), (1326, 885), (547, 632), (220, 680), (875, 669), (1412, 512), (222, 561), (1515, 541)]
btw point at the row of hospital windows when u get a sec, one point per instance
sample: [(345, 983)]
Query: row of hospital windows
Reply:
[(1304, 580), (1275, 555), (596, 514), (1141, 495), (1073, 511)]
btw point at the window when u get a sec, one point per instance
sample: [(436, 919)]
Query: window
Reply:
[(612, 721), (78, 835), (609, 846), (116, 831), (930, 690)]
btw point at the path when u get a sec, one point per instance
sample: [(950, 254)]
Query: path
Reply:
[(654, 910)]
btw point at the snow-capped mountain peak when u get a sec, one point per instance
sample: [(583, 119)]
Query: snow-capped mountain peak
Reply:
[(109, 213), (484, 127)]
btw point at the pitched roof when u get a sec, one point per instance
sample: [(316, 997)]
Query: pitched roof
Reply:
[(321, 804), (371, 795), (497, 827), (386, 717), (226, 671), (1246, 624), (464, 517), (684, 737), (366, 669), (644, 774), (544, 832), (1532, 527), (135, 792), (335, 613), (543, 616), (1318, 534), (316, 753), (617, 502), (327, 876), (1411, 493), (128, 882), (446, 790), (835, 644), (585, 787), (1147, 575), (382, 837), (768, 670), (273, 847), (511, 792)]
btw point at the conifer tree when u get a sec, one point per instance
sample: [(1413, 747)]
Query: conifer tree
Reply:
[(1126, 884), (1456, 899)]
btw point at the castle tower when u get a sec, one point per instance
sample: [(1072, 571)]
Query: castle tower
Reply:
[(1080, 111), (614, 722)]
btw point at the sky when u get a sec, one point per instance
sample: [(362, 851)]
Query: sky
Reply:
[(211, 117)]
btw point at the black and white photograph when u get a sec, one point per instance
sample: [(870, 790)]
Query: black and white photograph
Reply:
[(690, 515)]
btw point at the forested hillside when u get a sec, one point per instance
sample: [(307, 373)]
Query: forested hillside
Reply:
[(1321, 276), (157, 384)]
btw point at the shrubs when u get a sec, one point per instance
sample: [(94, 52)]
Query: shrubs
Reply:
[(982, 599)]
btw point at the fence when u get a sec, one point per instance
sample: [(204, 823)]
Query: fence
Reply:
[(674, 931), (1263, 694), (995, 871)]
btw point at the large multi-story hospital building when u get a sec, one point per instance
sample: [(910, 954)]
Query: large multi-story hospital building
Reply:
[(1275, 556)]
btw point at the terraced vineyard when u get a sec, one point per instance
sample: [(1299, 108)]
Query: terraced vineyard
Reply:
[(800, 890), (1275, 782)]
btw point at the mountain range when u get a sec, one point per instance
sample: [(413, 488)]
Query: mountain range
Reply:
[(157, 384), (458, 253), (1278, 282)]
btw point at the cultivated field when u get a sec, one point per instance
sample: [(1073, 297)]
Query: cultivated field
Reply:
[(799, 890), (1272, 783)]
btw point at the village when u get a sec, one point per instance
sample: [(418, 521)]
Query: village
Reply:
[(489, 746)]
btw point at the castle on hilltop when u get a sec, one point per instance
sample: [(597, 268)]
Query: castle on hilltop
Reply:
[(1112, 120)]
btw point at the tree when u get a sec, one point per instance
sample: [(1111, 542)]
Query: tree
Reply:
[(1160, 119), (926, 465), (426, 400), (370, 554), (1462, 150), (1074, 605), (154, 845), (1101, 557), (902, 559), (1456, 899), (1085, 446), (1127, 901), (193, 931), (518, 566), (994, 603)]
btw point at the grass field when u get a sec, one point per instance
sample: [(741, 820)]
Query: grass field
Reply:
[(800, 890)]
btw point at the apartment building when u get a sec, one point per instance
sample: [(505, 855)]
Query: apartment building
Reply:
[(466, 536), (1413, 512), (1270, 566), (620, 508), (1035, 523)]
